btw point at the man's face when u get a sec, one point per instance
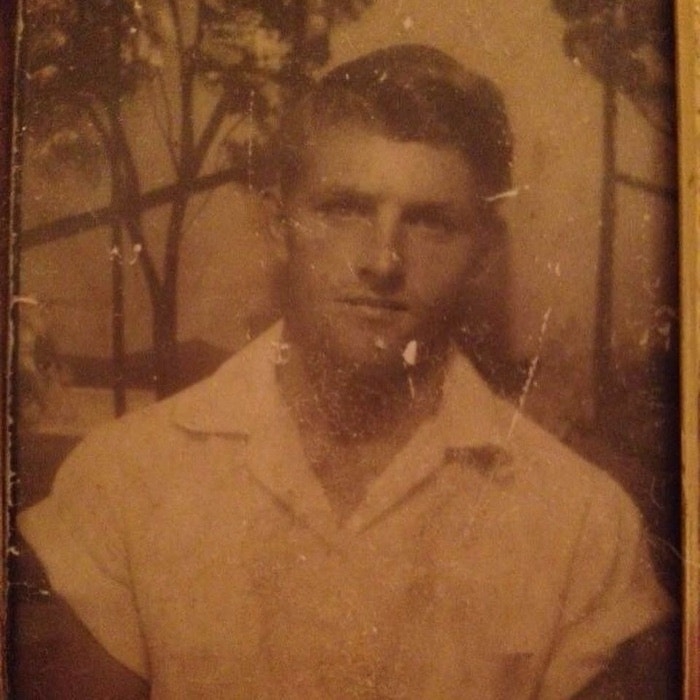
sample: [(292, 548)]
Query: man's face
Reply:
[(382, 237)]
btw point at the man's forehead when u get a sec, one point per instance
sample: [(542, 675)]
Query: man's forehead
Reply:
[(347, 157), (354, 128), (411, 92)]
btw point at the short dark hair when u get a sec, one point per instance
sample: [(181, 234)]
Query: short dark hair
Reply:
[(408, 92)]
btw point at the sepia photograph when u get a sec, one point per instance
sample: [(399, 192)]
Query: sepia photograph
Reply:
[(346, 349)]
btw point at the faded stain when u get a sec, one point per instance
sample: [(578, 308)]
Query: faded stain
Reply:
[(532, 369)]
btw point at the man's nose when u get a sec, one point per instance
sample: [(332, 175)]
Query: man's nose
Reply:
[(382, 254)]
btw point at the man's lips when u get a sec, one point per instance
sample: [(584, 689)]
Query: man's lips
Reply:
[(375, 303)]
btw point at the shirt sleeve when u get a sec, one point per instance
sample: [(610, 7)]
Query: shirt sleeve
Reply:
[(80, 536), (613, 595)]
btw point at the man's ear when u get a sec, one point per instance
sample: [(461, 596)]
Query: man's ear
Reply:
[(488, 258), (491, 251), (276, 227)]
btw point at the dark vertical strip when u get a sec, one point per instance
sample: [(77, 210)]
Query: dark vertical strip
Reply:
[(118, 321), (602, 356), (7, 62), (8, 35)]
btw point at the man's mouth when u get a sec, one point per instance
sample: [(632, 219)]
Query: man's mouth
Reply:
[(378, 303)]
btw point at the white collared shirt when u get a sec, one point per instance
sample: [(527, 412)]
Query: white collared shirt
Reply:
[(197, 545)]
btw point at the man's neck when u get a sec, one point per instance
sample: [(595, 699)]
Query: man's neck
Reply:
[(352, 423), (355, 405)]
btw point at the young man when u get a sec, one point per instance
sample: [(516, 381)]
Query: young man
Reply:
[(345, 510)]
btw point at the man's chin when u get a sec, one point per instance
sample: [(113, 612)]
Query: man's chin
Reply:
[(374, 360), (380, 354)]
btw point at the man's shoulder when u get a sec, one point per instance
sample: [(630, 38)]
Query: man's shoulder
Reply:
[(536, 460), (224, 391), (560, 479), (172, 431)]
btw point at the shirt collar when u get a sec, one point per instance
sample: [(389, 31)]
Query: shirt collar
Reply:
[(242, 399), (243, 393), (238, 397)]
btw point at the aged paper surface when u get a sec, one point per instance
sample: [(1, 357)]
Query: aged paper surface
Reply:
[(689, 83), (536, 323)]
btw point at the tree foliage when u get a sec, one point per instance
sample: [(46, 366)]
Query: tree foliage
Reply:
[(630, 44), (84, 58), (87, 53)]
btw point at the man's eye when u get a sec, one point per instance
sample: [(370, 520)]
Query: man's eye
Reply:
[(344, 208), (431, 222)]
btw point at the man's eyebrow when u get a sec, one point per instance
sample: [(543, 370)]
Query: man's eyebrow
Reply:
[(345, 195), (344, 191), (439, 209), (355, 193), (445, 210)]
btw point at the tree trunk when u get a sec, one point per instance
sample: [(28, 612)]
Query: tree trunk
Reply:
[(166, 366)]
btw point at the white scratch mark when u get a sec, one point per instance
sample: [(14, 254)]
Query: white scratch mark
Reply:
[(410, 357), (507, 194), (408, 23), (411, 387), (281, 353), (410, 354), (380, 343), (530, 373), (251, 106), (554, 268), (31, 301), (346, 38), (137, 249), (653, 494)]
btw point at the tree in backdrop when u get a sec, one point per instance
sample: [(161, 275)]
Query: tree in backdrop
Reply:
[(84, 58), (630, 44)]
